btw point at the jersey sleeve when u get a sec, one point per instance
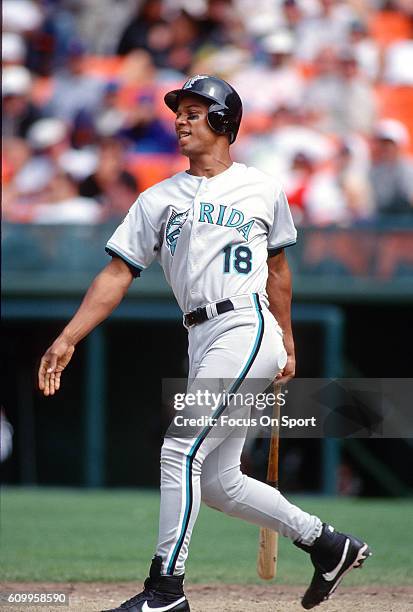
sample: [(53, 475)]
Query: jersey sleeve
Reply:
[(282, 233), (136, 240)]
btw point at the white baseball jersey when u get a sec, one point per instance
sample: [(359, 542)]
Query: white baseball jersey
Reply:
[(211, 236)]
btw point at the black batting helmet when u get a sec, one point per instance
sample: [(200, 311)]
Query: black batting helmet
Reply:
[(225, 111)]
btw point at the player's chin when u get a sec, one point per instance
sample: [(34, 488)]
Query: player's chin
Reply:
[(184, 148)]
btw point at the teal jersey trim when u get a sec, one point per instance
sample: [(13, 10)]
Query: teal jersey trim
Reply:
[(113, 251)]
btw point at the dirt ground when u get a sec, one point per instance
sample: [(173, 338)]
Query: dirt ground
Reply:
[(94, 597)]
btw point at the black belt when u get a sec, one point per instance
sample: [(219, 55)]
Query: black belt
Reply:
[(199, 315)]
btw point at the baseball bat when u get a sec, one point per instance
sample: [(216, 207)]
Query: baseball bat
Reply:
[(268, 539)]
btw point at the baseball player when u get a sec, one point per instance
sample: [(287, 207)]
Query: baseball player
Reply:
[(219, 231)]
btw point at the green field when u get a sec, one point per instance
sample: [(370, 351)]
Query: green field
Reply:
[(109, 535)]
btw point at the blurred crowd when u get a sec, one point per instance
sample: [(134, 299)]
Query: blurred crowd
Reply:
[(327, 87)]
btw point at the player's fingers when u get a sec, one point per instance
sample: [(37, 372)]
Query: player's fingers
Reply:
[(51, 383), (57, 381), (46, 387), (52, 363), (53, 378), (41, 374), (44, 376), (282, 379), (287, 374)]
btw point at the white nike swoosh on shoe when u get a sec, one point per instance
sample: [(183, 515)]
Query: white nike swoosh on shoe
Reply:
[(146, 608), (329, 576)]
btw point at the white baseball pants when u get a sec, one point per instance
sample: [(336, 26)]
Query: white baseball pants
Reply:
[(240, 345)]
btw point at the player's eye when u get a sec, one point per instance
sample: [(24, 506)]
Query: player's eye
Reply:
[(193, 116)]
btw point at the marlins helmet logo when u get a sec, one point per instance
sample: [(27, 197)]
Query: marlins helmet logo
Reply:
[(193, 80), (173, 228)]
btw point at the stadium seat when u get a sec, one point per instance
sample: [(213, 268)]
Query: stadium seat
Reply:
[(149, 169), (396, 101), (387, 27), (107, 67)]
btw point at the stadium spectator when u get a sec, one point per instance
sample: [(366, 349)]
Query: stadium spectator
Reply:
[(16, 153), (60, 29), (265, 87), (292, 15), (259, 17), (48, 45), (343, 99), (366, 51), (35, 169), (73, 90), (296, 185), (320, 91), (144, 131), (13, 49), (307, 71), (328, 26), (147, 30), (101, 23), (325, 203), (48, 139), (352, 178), (391, 172), (398, 62), (19, 113), (186, 41), (109, 118), (288, 133), (224, 62), (137, 73), (221, 24), (111, 184), (321, 194), (22, 16), (63, 204)]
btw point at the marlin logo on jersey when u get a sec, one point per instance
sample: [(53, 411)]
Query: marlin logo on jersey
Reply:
[(173, 228), (226, 217)]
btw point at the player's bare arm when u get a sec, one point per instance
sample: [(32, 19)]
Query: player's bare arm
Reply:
[(102, 297), (279, 295)]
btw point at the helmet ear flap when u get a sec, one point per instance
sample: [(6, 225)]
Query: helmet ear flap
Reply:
[(219, 120)]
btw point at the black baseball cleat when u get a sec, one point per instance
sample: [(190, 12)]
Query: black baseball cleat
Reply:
[(333, 555), (161, 593)]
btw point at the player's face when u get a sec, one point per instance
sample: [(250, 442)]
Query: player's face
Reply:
[(194, 134)]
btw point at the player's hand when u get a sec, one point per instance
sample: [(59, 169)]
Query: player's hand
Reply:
[(53, 363), (288, 372)]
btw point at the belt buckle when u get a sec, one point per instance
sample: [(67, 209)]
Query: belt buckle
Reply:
[(195, 317), (189, 319)]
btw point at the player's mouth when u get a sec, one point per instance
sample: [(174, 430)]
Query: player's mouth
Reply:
[(182, 135)]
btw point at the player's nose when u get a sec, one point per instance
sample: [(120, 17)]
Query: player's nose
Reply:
[(180, 121)]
